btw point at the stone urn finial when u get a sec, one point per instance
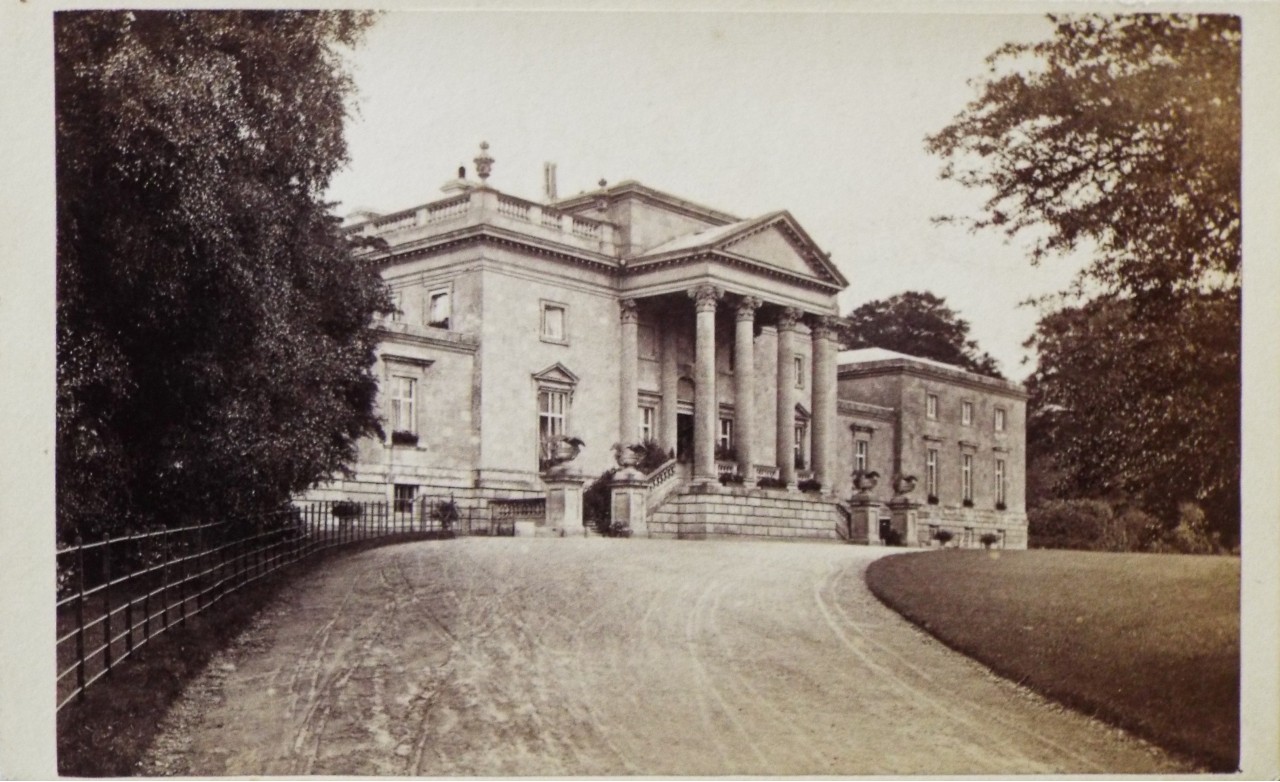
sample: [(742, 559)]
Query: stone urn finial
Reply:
[(484, 162)]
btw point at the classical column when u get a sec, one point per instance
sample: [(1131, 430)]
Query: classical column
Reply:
[(670, 386), (824, 401), (628, 388), (705, 407), (786, 439), (744, 398)]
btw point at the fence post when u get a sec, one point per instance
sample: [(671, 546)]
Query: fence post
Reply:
[(146, 595), (80, 616), (182, 584), (106, 600), (164, 582), (200, 579)]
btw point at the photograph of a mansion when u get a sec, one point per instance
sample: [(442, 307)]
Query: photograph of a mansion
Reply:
[(628, 314)]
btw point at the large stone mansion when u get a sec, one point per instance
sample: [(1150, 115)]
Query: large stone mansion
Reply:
[(628, 314)]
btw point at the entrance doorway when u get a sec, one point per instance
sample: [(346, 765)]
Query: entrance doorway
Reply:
[(684, 437)]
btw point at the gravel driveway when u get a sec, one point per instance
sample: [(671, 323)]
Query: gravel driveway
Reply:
[(603, 657)]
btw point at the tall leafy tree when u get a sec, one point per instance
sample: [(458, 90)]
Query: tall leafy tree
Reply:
[(1120, 137), (920, 324), (213, 349)]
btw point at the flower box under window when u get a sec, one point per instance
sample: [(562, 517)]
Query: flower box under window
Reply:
[(402, 437)]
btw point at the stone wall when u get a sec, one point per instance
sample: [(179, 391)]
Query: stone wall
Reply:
[(698, 513), (969, 524)]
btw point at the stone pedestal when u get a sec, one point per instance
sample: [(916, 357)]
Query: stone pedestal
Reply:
[(865, 524), (904, 519), (628, 497), (564, 504)]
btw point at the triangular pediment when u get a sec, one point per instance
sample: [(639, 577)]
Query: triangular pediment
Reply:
[(771, 246), (557, 374), (778, 241)]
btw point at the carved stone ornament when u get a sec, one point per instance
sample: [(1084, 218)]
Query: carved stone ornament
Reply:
[(823, 326), (628, 311), (747, 307), (788, 318), (705, 297)]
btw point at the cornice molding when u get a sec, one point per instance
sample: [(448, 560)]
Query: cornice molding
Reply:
[(458, 343), (957, 376)]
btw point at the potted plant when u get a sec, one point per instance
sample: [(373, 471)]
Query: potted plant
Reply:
[(810, 485), (943, 536), (968, 503), (989, 539), (932, 499)]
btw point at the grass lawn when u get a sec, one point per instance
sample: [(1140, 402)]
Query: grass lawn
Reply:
[(1149, 642)]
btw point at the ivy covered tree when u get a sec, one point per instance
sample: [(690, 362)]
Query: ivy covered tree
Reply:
[(919, 324), (1119, 137), (213, 349)]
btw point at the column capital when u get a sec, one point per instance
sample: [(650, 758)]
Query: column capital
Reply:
[(788, 317), (746, 308), (628, 311), (824, 326), (705, 297)]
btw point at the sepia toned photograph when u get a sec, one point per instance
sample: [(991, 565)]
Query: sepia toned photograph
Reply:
[(447, 393)]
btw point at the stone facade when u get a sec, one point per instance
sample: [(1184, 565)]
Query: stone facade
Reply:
[(620, 315)]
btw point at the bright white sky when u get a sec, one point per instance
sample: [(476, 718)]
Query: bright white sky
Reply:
[(821, 114)]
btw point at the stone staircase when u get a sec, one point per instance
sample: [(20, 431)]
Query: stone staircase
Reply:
[(701, 511)]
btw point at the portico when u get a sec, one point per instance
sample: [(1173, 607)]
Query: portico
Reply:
[(756, 320)]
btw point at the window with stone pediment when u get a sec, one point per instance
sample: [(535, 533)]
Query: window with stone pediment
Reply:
[(555, 387), (403, 402), (931, 473), (860, 453)]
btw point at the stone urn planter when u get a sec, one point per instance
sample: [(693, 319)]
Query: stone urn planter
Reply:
[(864, 480), (904, 485), (626, 455)]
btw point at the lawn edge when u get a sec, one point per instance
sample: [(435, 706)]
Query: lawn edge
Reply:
[(1210, 762)]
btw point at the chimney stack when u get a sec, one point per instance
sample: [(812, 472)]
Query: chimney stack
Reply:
[(549, 181)]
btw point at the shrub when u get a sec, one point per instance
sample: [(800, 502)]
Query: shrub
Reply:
[(402, 437), (447, 512), (1191, 536), (596, 501), (652, 456), (809, 485), (943, 536), (730, 479), (989, 539), (1070, 524), (1132, 530), (345, 509), (892, 537), (767, 482), (932, 499)]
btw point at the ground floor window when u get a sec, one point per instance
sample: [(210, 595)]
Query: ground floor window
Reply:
[(405, 494), (802, 433), (1000, 482), (966, 476), (931, 473), (860, 455)]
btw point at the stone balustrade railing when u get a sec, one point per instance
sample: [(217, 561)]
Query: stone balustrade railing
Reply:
[(476, 203), (766, 471), (662, 481)]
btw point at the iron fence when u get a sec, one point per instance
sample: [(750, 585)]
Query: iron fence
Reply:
[(117, 594)]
